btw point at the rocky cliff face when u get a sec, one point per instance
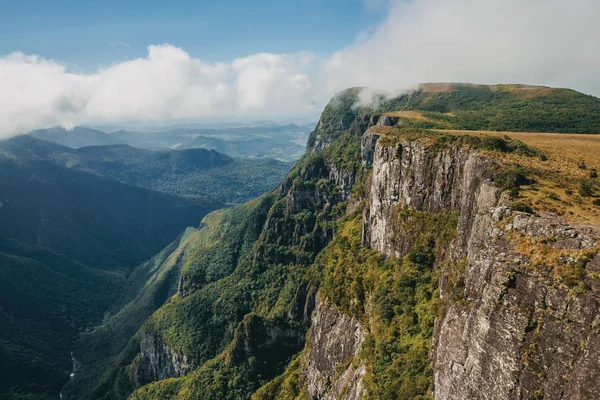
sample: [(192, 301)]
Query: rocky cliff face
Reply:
[(334, 341), (519, 329), (519, 334), (158, 361), (517, 314)]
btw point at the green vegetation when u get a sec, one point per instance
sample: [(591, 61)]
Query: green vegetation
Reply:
[(344, 153), (337, 116), (586, 187), (515, 108), (103, 351), (230, 296), (490, 143), (68, 241), (512, 178), (45, 299), (191, 172), (94, 220), (405, 298), (286, 386), (218, 319)]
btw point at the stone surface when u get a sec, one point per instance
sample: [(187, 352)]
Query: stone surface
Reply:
[(158, 361), (517, 334), (334, 338)]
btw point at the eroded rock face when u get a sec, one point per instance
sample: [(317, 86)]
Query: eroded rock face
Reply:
[(335, 338), (158, 361), (517, 333), (411, 174)]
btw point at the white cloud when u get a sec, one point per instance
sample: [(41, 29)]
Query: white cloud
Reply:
[(167, 84), (549, 42)]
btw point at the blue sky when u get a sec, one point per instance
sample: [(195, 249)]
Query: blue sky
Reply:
[(87, 34)]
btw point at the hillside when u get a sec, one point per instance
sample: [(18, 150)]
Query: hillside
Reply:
[(91, 219), (68, 242), (372, 269), (191, 172), (76, 137)]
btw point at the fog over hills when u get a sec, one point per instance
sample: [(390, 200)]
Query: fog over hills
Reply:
[(260, 140)]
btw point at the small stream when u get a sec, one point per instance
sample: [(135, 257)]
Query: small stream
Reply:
[(73, 370)]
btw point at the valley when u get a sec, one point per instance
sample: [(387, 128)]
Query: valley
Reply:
[(85, 240)]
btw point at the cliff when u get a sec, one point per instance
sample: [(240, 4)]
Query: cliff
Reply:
[(519, 331), (392, 262), (519, 289)]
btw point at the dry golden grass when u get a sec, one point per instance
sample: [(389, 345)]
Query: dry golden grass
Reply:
[(382, 130), (417, 116), (558, 178), (414, 115)]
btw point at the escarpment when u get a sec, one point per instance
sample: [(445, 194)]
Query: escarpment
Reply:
[(516, 327), (517, 331), (392, 262)]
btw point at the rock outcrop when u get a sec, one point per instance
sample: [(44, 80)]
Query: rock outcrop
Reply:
[(517, 333), (158, 361), (334, 340)]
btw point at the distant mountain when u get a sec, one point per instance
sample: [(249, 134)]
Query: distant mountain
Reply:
[(261, 140), (191, 172), (76, 137)]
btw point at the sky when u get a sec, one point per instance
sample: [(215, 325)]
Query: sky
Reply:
[(69, 62), (89, 34)]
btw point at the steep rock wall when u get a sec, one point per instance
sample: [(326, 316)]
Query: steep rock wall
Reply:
[(517, 333), (158, 361), (334, 339)]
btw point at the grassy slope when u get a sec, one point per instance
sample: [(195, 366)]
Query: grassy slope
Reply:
[(500, 108)]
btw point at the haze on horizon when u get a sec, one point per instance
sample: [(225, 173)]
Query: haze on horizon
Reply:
[(552, 43)]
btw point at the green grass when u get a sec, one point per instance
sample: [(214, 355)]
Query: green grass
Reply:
[(503, 108)]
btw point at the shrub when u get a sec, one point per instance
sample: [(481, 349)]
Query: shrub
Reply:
[(581, 165), (512, 179), (596, 202), (553, 196), (586, 188), (593, 174), (523, 207)]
